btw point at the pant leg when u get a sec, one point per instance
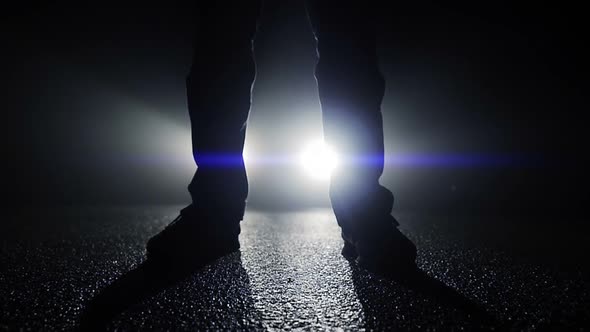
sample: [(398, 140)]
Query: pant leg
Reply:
[(351, 89), (218, 92)]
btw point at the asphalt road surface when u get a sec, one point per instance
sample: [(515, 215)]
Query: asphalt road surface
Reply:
[(491, 273)]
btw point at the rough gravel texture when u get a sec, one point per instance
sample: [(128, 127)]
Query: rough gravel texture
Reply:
[(290, 274)]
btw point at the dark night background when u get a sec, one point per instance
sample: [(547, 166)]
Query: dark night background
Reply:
[(490, 97), (94, 105)]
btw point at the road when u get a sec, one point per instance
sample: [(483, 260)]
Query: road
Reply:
[(288, 275)]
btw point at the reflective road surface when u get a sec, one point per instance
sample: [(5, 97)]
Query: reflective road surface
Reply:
[(488, 273)]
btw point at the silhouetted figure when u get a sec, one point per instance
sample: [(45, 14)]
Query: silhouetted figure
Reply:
[(351, 89)]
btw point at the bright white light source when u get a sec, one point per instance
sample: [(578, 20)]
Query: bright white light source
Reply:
[(318, 160)]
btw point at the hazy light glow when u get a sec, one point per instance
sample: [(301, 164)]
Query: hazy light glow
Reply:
[(318, 160)]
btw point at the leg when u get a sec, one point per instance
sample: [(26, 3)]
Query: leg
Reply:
[(218, 93), (351, 89)]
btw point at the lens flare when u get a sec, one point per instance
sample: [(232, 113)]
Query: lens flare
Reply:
[(318, 160)]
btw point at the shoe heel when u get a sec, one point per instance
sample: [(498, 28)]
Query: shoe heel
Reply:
[(349, 251)]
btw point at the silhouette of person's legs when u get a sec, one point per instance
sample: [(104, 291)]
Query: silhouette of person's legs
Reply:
[(218, 94), (351, 89)]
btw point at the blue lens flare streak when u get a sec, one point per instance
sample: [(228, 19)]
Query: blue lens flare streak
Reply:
[(401, 160)]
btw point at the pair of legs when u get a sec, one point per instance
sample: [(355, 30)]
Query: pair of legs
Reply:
[(351, 89)]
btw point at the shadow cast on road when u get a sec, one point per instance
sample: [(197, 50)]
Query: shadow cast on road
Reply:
[(385, 301), (149, 279)]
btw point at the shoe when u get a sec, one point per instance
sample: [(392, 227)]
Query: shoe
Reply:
[(195, 238), (382, 250), (349, 249)]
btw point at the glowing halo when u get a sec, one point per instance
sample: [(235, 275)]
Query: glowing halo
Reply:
[(318, 160)]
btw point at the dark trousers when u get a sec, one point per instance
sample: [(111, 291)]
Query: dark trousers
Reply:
[(351, 89)]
